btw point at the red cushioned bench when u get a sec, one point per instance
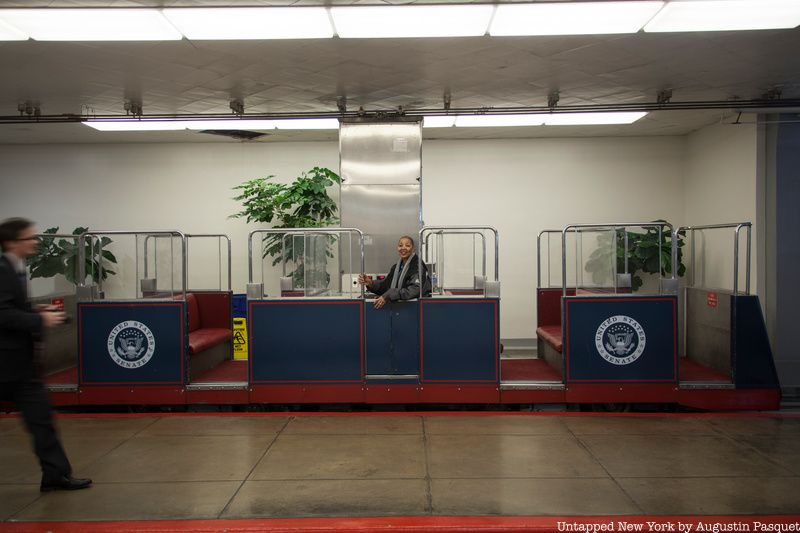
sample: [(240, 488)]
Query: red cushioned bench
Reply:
[(548, 331), (210, 334)]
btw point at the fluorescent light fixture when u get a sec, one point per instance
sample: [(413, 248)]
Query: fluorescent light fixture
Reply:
[(135, 125), (223, 124), (460, 121), (251, 23), (259, 125), (57, 24), (572, 18), (439, 122), (726, 15), (454, 20), (590, 119), (489, 121), (10, 33)]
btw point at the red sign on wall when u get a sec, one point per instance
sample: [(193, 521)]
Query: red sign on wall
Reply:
[(712, 299), (57, 304)]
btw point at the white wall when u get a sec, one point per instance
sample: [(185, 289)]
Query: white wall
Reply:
[(523, 186), (148, 186), (719, 187), (518, 186)]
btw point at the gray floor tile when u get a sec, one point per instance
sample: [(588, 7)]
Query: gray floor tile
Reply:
[(355, 425), (329, 498), (784, 450), (11, 425), (509, 456), (134, 501), (217, 425), (181, 458), (124, 427), (777, 495), (14, 498), (18, 463), (529, 497), (343, 457), (495, 425), (638, 425), (756, 425), (677, 456)]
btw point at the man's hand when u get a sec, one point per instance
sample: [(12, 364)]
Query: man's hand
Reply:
[(380, 302), (52, 318), (364, 280)]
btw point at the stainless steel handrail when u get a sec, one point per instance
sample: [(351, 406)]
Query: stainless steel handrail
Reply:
[(737, 229), (219, 236), (456, 230), (302, 231), (461, 232), (91, 235), (616, 226), (539, 257)]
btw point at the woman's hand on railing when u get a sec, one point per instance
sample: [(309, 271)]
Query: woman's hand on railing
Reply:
[(364, 280)]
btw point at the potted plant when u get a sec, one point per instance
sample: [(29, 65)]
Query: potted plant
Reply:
[(303, 203), (646, 251), (60, 256)]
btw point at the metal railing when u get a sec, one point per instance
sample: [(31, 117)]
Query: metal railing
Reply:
[(460, 232), (91, 236), (304, 232), (737, 229), (547, 232), (616, 226), (427, 231), (219, 237)]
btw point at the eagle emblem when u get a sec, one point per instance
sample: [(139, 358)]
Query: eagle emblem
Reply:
[(130, 348), (131, 344), (620, 343), (620, 340)]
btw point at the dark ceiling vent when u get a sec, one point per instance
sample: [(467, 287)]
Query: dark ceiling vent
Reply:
[(240, 135)]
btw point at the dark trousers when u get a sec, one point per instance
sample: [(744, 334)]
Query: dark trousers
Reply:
[(31, 399)]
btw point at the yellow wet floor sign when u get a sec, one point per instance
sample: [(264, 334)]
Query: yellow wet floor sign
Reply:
[(239, 338)]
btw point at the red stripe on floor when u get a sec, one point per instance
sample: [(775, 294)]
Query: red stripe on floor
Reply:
[(542, 524), (433, 413)]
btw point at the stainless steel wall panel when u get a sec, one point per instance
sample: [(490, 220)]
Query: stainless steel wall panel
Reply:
[(380, 165), (708, 329), (380, 153), (383, 213)]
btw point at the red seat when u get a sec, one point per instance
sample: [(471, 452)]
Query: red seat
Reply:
[(203, 339), (551, 335), (194, 312)]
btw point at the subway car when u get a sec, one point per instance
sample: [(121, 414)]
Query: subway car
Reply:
[(306, 332)]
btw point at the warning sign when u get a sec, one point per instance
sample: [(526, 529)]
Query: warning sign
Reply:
[(711, 299), (240, 339)]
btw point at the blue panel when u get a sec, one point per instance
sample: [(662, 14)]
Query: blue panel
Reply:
[(312, 340), (753, 366), (621, 339), (393, 338), (460, 340), (133, 343)]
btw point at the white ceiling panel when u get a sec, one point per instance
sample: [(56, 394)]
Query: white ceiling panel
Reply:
[(308, 75)]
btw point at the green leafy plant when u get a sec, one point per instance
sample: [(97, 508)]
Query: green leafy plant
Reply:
[(60, 256), (646, 252), (304, 203)]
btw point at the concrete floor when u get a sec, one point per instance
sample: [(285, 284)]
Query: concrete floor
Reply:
[(207, 467)]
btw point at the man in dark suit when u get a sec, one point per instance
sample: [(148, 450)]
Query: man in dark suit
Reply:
[(20, 328)]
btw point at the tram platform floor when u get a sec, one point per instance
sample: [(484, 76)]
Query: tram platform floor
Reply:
[(210, 466)]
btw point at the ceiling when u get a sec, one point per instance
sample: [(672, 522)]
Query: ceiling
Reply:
[(297, 76)]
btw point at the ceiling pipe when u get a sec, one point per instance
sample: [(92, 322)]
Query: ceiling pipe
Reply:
[(761, 106)]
